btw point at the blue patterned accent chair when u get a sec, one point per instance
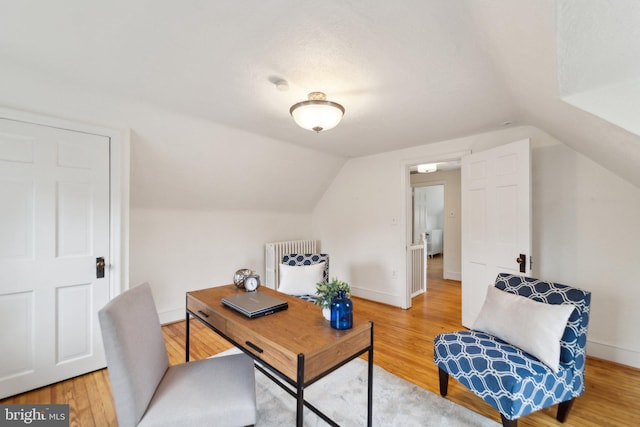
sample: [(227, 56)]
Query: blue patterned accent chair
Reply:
[(308, 259), (509, 379)]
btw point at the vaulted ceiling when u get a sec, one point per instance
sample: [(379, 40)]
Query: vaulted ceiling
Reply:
[(408, 72)]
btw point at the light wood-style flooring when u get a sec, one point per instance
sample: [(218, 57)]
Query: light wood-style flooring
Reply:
[(403, 346)]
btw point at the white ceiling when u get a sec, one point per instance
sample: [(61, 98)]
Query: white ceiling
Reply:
[(408, 72), (599, 59)]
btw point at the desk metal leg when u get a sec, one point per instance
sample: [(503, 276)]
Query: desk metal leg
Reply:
[(300, 391), (186, 345), (370, 384)]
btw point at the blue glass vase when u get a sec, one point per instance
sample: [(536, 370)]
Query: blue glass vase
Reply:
[(341, 311)]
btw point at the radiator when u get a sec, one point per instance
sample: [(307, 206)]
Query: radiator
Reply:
[(274, 252), (418, 269)]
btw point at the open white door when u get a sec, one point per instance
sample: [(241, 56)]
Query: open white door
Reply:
[(496, 220), (54, 226)]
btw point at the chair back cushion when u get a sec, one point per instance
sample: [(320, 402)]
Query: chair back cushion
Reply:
[(300, 279), (135, 349), (308, 259), (530, 325), (574, 339)]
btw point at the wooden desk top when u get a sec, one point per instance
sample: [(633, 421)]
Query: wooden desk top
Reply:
[(279, 338)]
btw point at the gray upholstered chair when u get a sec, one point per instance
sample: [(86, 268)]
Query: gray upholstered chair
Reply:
[(149, 392)]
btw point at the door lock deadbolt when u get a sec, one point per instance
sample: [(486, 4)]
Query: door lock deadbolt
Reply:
[(100, 267), (522, 260)]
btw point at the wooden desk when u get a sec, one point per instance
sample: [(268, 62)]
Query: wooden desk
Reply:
[(297, 345)]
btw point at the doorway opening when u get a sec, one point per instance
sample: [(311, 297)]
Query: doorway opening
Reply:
[(428, 218), (445, 254), (427, 203)]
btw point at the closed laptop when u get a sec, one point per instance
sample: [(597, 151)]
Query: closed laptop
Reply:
[(255, 304)]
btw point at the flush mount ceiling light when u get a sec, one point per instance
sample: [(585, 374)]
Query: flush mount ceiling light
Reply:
[(427, 167), (317, 114)]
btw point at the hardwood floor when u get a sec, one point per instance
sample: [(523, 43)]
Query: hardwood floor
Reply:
[(403, 346)]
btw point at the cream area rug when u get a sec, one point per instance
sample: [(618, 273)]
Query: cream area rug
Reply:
[(342, 395)]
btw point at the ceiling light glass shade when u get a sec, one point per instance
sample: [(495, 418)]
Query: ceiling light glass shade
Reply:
[(317, 114), (427, 167)]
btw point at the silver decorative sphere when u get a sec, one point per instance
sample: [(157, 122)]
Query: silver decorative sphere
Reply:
[(240, 275)]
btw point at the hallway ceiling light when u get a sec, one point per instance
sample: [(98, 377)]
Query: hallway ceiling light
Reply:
[(427, 167), (317, 114)]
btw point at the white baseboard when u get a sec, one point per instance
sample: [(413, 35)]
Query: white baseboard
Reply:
[(613, 354), (171, 316), (377, 296), (452, 275)]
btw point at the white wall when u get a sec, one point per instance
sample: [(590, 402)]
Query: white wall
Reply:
[(584, 222), (586, 234), (359, 222), (183, 250)]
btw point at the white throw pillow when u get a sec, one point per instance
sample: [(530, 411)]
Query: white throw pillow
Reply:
[(533, 326), (300, 279)]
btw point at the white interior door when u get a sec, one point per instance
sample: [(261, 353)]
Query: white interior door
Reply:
[(420, 205), (496, 220), (54, 224)]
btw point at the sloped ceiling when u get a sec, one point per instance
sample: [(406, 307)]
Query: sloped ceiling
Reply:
[(599, 59), (408, 72)]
